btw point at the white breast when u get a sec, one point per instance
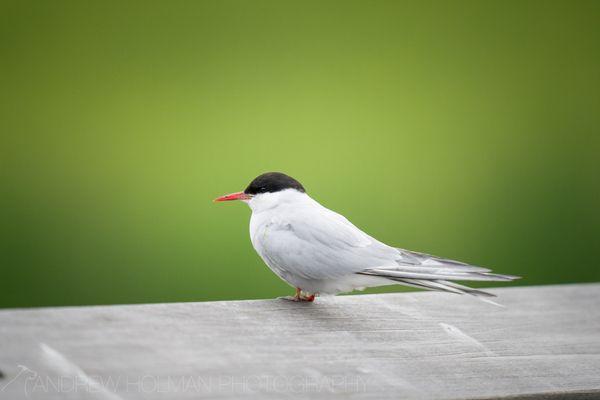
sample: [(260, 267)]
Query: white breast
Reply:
[(310, 246), (265, 223)]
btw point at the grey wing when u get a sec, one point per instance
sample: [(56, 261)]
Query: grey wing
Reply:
[(321, 244), (318, 243), (429, 272), (412, 264)]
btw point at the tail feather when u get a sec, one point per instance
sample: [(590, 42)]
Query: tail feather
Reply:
[(428, 285), (443, 286), (439, 277), (468, 290), (436, 273)]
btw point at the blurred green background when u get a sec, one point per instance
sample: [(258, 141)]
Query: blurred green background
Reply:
[(463, 129)]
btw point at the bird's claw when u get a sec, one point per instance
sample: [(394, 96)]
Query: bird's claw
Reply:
[(300, 296)]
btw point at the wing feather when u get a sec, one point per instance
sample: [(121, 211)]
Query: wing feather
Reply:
[(319, 244)]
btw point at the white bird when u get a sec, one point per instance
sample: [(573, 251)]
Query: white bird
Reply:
[(320, 252)]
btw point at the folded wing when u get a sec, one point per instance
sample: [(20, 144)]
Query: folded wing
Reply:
[(435, 273), (330, 247)]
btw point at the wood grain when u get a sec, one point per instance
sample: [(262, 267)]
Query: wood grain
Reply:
[(543, 343)]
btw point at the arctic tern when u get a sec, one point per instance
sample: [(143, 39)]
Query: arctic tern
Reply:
[(320, 252)]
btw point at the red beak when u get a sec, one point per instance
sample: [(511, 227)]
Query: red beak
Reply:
[(234, 196)]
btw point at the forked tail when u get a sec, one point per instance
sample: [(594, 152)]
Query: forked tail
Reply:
[(439, 277)]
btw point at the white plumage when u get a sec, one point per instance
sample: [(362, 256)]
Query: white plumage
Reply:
[(320, 252)]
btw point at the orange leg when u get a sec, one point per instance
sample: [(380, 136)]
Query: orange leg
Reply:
[(310, 298), (304, 297), (301, 296)]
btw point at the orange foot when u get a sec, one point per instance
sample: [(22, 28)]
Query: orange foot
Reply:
[(301, 296)]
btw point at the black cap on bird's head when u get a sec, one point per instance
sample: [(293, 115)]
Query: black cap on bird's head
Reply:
[(273, 182), (269, 182)]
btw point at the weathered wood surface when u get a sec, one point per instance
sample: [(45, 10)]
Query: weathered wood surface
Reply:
[(545, 343)]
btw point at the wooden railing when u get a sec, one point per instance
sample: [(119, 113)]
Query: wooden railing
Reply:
[(539, 342)]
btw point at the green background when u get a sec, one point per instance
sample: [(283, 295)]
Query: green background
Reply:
[(464, 129)]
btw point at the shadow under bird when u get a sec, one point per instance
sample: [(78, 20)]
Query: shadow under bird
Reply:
[(320, 252)]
